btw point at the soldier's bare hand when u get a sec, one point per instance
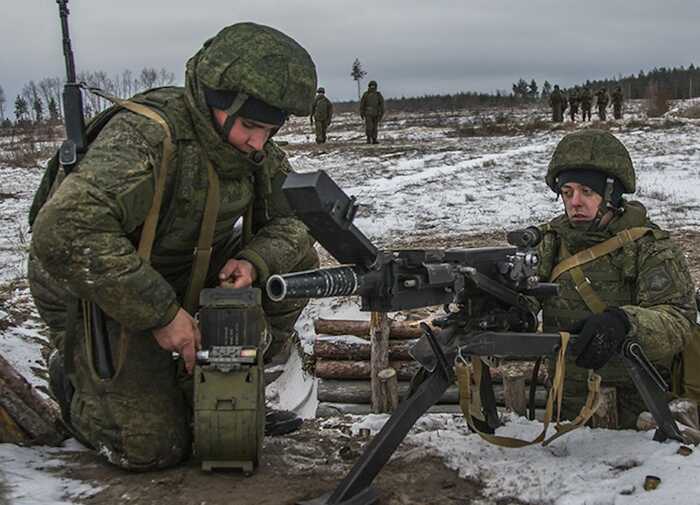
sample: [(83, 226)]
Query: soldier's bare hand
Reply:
[(182, 336), (240, 273)]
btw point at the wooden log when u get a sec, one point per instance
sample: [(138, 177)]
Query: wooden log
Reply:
[(330, 369), (339, 369), (399, 330), (515, 393), (379, 358), (359, 391), (36, 417), (356, 351), (606, 416), (330, 409), (390, 389)]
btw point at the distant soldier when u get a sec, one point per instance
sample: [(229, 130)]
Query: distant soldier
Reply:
[(573, 103), (557, 101), (322, 113), (617, 99), (585, 100), (372, 111), (602, 99)]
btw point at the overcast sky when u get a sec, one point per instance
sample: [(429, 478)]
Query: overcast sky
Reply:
[(410, 47)]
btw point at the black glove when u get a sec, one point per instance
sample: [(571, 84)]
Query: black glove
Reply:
[(599, 337)]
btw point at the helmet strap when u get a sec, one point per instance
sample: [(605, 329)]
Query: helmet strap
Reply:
[(607, 198), (231, 114)]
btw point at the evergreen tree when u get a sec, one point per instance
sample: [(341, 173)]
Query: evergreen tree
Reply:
[(53, 110), (532, 89), (357, 74), (21, 108), (38, 107), (546, 89)]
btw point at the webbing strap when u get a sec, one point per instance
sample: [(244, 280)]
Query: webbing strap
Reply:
[(148, 232), (583, 285), (202, 253), (598, 250), (469, 402)]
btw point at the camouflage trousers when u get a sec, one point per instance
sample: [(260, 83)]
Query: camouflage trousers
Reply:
[(371, 127), (141, 419), (617, 111), (602, 112), (321, 129)]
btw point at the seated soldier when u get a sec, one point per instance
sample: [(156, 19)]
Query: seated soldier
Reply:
[(639, 289)]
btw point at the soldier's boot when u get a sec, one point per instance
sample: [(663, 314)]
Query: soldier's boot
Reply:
[(61, 388), (62, 391), (281, 422)]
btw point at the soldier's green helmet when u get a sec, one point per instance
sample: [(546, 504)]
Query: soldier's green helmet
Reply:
[(321, 90), (257, 61), (372, 84), (592, 149)]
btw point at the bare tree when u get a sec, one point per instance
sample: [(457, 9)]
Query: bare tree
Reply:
[(165, 78), (357, 74), (30, 93), (148, 77)]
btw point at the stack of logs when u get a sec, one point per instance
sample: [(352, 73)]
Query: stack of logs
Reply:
[(343, 368)]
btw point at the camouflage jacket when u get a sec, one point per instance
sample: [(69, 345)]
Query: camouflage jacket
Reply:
[(322, 109), (649, 279), (84, 237), (617, 97), (372, 104)]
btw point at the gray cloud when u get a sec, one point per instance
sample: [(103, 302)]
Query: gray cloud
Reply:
[(411, 47)]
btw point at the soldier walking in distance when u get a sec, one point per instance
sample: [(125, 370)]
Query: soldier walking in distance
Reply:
[(573, 103), (557, 100), (617, 99), (602, 99), (372, 111), (586, 100), (321, 114)]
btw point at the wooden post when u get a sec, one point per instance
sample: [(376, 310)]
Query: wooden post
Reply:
[(390, 388), (379, 359), (514, 392), (606, 415)]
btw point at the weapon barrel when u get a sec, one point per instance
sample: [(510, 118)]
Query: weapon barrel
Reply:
[(321, 283)]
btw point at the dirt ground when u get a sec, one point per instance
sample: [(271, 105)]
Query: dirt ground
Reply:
[(297, 467)]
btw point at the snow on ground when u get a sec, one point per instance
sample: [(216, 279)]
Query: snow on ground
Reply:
[(29, 476), (17, 187), (585, 467), (421, 180)]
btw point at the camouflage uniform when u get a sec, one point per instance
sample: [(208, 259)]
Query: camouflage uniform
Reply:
[(648, 278), (585, 100), (602, 99), (556, 101), (372, 111), (84, 237), (573, 104), (617, 98), (321, 114)]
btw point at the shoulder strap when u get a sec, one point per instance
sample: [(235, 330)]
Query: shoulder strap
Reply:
[(149, 226), (598, 250)]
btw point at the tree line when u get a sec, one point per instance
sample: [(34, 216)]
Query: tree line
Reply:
[(42, 101), (677, 83)]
